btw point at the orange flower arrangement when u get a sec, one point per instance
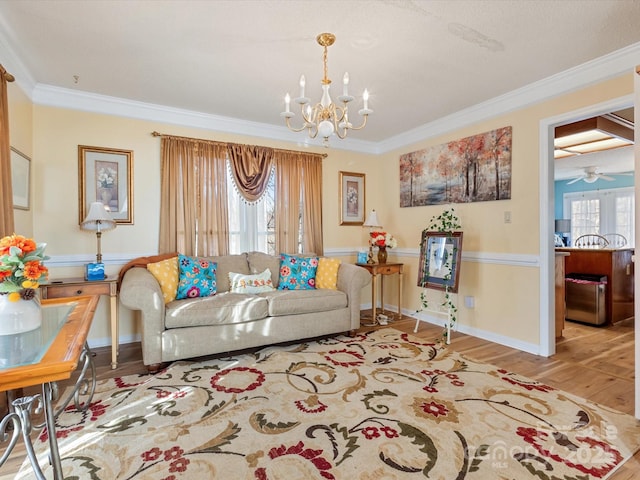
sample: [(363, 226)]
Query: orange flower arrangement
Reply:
[(21, 266)]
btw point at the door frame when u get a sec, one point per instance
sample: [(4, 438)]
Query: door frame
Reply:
[(547, 215)]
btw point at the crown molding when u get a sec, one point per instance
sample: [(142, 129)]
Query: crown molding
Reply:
[(588, 73), (591, 72)]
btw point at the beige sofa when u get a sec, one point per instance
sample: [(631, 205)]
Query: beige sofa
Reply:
[(231, 321)]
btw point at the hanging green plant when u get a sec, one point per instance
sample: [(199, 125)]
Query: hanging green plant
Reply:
[(440, 252)]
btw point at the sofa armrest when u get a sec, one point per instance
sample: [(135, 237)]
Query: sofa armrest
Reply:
[(141, 291), (351, 280)]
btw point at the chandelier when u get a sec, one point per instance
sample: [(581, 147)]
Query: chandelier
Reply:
[(325, 117)]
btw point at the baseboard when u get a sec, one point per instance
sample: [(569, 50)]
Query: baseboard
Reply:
[(106, 341)]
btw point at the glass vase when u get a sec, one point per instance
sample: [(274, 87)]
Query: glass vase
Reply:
[(20, 316)]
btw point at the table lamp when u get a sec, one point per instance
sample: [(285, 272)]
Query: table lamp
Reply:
[(372, 222), (99, 220)]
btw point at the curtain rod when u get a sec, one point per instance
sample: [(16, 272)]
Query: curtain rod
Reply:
[(224, 144)]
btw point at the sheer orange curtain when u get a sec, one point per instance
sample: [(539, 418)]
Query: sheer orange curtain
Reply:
[(299, 202), (193, 213), (6, 190)]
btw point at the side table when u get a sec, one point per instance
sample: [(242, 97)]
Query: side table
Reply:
[(382, 269), (75, 287)]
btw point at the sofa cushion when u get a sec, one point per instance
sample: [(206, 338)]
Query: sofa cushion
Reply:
[(327, 273), (166, 273), (259, 262), (297, 273), (197, 277), (258, 283), (227, 264), (223, 308), (293, 302)]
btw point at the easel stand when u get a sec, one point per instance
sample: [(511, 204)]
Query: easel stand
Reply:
[(446, 314)]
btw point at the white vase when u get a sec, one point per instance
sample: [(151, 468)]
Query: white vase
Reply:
[(18, 317)]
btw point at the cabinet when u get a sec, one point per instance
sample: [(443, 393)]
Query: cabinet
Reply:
[(560, 292), (617, 266)]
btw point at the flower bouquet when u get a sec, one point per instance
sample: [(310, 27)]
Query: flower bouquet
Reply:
[(383, 239), (21, 267)]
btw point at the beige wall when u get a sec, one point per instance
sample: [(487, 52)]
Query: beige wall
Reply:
[(506, 295)]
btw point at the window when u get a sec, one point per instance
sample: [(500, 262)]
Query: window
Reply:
[(251, 225), (602, 211)]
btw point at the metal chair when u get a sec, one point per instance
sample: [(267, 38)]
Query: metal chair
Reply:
[(615, 240), (591, 240)]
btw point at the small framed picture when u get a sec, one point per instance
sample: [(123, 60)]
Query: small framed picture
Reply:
[(352, 198), (20, 179), (106, 175), (440, 254)]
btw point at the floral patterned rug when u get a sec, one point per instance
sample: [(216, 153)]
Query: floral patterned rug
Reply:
[(384, 405)]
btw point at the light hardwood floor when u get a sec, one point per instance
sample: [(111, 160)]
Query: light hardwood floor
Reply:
[(591, 362)]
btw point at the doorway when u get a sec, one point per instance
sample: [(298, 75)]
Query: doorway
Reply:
[(547, 216)]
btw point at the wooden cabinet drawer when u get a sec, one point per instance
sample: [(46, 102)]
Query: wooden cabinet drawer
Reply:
[(388, 270), (61, 291)]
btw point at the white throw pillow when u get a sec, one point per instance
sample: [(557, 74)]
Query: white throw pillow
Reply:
[(241, 283)]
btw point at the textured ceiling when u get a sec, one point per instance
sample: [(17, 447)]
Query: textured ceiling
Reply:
[(421, 60)]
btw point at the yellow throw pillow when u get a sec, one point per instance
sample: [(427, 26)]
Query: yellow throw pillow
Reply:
[(166, 273), (327, 273)]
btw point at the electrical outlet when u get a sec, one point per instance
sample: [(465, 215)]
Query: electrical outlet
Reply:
[(469, 302), (507, 217)]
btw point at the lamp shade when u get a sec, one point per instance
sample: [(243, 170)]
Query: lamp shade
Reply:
[(372, 220), (98, 219), (563, 226)]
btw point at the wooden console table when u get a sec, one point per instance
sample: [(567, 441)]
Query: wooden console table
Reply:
[(74, 287), (383, 269)]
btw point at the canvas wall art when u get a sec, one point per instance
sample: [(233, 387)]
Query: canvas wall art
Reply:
[(473, 169)]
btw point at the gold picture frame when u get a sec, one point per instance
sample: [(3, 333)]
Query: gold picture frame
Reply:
[(106, 175), (352, 190)]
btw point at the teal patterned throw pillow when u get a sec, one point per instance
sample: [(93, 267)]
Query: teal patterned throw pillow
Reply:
[(197, 277), (297, 273)]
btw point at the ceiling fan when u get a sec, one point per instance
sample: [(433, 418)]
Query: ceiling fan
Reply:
[(591, 174)]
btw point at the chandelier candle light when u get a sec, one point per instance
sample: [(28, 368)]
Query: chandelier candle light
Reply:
[(325, 117), (99, 220)]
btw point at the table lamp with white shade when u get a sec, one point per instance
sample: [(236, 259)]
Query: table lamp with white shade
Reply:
[(372, 222), (99, 220)]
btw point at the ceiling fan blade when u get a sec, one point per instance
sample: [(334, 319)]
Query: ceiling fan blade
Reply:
[(605, 177), (577, 179)]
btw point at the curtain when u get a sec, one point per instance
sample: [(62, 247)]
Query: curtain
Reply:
[(251, 168), (6, 190), (299, 202), (193, 213)]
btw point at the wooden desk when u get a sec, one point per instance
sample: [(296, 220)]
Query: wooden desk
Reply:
[(74, 287), (70, 320), (616, 264), (383, 269)]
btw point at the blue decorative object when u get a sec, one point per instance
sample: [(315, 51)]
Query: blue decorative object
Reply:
[(362, 257), (94, 271)]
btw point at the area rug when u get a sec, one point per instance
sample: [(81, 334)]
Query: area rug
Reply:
[(383, 405)]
